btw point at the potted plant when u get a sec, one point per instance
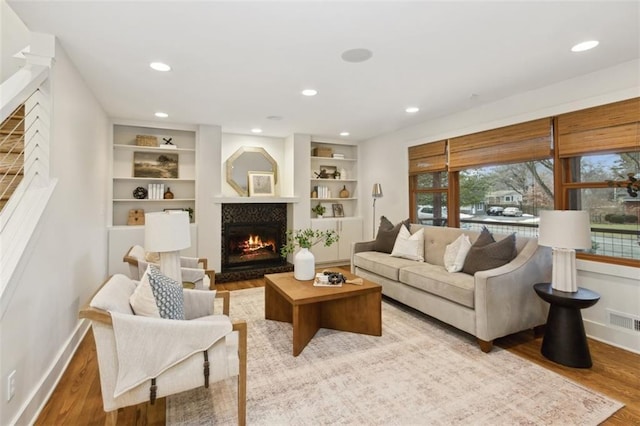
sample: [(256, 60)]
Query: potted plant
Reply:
[(304, 261), (319, 210)]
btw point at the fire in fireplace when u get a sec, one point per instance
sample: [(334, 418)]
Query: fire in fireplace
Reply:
[(252, 243)]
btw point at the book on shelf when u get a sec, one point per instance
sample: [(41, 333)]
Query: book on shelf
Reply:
[(341, 156)]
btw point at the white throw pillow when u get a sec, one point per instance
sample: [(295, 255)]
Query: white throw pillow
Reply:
[(456, 253), (142, 300), (409, 246)]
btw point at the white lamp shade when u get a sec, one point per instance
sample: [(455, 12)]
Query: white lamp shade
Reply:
[(570, 229), (166, 231)]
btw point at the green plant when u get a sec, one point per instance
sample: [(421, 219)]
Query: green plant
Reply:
[(306, 238), (319, 209)]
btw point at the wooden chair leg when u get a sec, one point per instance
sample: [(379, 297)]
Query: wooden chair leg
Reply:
[(112, 418), (241, 327), (485, 346)]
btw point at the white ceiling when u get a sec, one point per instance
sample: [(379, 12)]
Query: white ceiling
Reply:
[(236, 63)]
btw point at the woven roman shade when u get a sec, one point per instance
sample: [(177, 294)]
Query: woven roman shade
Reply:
[(608, 128), (511, 144), (428, 157)]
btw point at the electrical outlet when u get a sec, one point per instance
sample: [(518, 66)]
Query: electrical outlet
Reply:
[(11, 385)]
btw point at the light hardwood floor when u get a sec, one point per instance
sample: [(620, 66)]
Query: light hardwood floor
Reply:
[(77, 401)]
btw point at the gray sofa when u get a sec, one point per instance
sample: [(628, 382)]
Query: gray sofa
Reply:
[(488, 304)]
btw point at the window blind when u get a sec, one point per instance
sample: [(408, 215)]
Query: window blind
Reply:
[(428, 157)]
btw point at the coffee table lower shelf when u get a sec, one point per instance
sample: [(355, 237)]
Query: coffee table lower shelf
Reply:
[(356, 309)]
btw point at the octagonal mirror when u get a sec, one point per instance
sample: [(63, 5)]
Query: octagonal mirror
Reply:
[(249, 159)]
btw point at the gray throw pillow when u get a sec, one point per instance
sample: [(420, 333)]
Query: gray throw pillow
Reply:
[(168, 294), (387, 234), (491, 255)]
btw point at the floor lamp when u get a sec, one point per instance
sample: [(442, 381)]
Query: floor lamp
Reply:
[(376, 193), (564, 231), (167, 233)]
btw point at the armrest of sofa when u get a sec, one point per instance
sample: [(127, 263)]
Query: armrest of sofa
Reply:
[(360, 247), (505, 301)]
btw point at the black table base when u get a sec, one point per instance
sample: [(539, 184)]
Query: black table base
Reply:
[(565, 341)]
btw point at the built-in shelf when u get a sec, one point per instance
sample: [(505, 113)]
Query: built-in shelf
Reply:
[(129, 147), (254, 200)]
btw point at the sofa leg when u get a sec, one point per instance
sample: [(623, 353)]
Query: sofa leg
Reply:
[(485, 346)]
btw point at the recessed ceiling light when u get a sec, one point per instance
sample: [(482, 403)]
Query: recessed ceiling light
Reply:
[(585, 45), (256, 130), (309, 92), (160, 66), (412, 109), (356, 55), (344, 133), (161, 114)]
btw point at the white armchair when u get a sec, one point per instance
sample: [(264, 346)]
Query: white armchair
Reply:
[(194, 269), (143, 358)]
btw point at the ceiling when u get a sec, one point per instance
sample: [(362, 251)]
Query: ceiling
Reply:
[(237, 63)]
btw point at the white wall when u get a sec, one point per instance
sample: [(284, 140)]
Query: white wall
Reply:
[(386, 161), (15, 37), (66, 260)]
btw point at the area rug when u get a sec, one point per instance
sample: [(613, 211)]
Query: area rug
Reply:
[(418, 372)]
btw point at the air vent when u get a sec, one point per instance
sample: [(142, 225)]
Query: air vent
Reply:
[(630, 322)]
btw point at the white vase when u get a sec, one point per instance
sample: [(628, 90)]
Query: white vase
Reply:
[(304, 265)]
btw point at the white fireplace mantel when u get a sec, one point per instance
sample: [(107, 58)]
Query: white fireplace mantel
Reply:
[(254, 200)]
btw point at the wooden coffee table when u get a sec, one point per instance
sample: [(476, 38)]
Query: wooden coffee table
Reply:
[(354, 308)]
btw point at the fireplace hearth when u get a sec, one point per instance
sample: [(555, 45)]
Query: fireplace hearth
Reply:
[(252, 235)]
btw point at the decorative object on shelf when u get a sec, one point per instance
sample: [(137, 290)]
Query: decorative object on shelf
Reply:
[(167, 233), (140, 193), (564, 231), (168, 141), (338, 210), (376, 193), (314, 193), (168, 144), (344, 192), (146, 140), (327, 172), (244, 160), (168, 195), (322, 152), (136, 217), (154, 165), (155, 191), (261, 184), (632, 184), (319, 210), (303, 260), (343, 173)]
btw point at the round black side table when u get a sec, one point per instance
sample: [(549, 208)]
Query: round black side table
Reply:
[(565, 341)]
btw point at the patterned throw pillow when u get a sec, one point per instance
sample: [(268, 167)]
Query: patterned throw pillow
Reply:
[(168, 294)]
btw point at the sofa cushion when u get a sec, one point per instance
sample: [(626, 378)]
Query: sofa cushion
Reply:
[(381, 263), (409, 246), (491, 255), (387, 234), (456, 253), (456, 287)]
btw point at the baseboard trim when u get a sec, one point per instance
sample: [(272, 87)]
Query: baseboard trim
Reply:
[(620, 338), (41, 394)]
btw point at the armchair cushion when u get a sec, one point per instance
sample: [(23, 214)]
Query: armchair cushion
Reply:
[(142, 300), (168, 294)]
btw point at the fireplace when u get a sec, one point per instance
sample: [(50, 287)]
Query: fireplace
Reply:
[(251, 244), (252, 235)]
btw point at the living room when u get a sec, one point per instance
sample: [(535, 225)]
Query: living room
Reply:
[(40, 302)]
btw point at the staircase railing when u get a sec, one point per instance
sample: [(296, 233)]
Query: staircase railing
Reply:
[(24, 164)]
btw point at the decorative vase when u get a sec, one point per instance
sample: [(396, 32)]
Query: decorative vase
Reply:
[(168, 195), (304, 265), (344, 193)]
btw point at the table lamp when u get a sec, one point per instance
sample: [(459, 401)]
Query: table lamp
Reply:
[(167, 233), (376, 193), (564, 231)]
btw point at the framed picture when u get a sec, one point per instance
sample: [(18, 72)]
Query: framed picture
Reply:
[(338, 210), (261, 184), (155, 165)]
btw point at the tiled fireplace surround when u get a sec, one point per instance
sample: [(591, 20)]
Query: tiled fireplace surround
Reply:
[(245, 218)]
